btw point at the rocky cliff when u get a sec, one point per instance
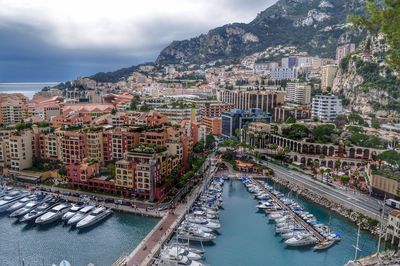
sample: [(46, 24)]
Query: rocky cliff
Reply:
[(315, 26)]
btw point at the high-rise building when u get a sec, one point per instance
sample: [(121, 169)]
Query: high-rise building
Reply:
[(328, 74), (21, 150), (326, 107), (298, 93), (246, 99), (283, 73), (236, 119), (289, 62)]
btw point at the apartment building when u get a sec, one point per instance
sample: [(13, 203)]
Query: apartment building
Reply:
[(73, 147), (325, 108), (283, 73), (344, 50), (215, 109), (328, 74), (177, 115), (298, 93), (20, 146), (246, 99)]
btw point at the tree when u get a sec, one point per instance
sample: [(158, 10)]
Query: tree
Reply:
[(290, 120), (375, 123), (134, 103), (323, 133), (337, 164), (341, 121), (392, 157), (144, 108), (383, 19), (62, 171)]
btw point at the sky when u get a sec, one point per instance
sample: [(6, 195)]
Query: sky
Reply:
[(58, 40)]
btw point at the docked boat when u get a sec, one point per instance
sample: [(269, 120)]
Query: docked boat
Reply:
[(53, 214), (301, 240), (191, 249), (94, 217), (10, 199), (80, 214), (20, 203), (324, 245), (74, 209), (196, 235), (28, 207), (37, 211), (180, 251)]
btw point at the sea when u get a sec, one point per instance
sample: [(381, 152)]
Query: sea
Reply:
[(101, 244), (247, 237), (28, 88)]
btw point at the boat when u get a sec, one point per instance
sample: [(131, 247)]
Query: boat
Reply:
[(94, 217), (53, 214), (27, 208), (65, 263), (80, 214), (180, 251), (186, 246), (196, 235), (20, 203), (39, 210), (74, 209), (301, 240), (10, 199), (324, 245)]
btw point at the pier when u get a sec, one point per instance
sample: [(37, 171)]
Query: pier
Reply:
[(151, 245), (298, 219)]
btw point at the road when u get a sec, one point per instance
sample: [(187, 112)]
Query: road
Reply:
[(364, 203)]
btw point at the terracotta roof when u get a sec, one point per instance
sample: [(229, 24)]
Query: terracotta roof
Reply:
[(395, 213)]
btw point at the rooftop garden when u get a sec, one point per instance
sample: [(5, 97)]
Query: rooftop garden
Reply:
[(149, 148)]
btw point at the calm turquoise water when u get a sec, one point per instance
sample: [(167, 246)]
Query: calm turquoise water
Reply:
[(45, 245), (28, 89), (248, 239)]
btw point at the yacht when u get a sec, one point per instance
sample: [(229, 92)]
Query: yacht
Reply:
[(10, 199), (301, 240), (181, 260), (94, 217), (196, 235), (180, 251), (37, 211), (27, 208), (20, 203), (186, 246), (74, 209), (185, 225), (80, 214), (53, 214), (292, 234)]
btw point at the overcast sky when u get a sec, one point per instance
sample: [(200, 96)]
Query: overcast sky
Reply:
[(57, 40)]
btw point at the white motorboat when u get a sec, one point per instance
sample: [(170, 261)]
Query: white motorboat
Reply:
[(94, 217), (10, 199), (20, 203), (185, 225), (180, 251), (191, 249), (53, 214), (80, 214), (24, 210), (301, 240), (292, 234), (195, 219), (74, 209), (195, 235), (37, 211)]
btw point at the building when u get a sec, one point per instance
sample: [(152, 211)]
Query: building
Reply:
[(289, 62), (236, 119), (325, 108), (328, 74), (298, 112), (21, 150), (215, 109), (283, 73), (393, 227), (344, 50), (246, 99), (177, 115), (73, 146), (298, 93), (212, 124)]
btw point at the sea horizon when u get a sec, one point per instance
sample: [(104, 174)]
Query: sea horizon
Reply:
[(27, 88)]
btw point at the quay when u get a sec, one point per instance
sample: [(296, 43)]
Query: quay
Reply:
[(308, 227), (151, 245)]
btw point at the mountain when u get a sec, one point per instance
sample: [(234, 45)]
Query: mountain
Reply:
[(315, 26)]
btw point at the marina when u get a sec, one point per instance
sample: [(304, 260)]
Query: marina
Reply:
[(247, 238)]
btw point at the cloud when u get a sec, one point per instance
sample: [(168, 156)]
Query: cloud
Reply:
[(93, 31)]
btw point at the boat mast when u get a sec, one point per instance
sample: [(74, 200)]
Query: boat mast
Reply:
[(381, 226), (356, 246)]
